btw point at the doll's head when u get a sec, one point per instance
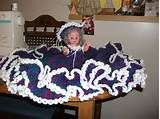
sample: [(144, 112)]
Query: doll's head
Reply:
[(71, 33), (73, 36)]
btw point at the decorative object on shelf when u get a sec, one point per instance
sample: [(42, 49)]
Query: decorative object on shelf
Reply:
[(126, 7), (73, 7), (105, 9), (88, 27), (110, 7), (138, 7), (151, 8), (88, 7), (132, 7), (103, 3), (14, 6), (110, 4), (117, 4), (73, 10)]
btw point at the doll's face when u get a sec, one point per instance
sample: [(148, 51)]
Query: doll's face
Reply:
[(73, 38)]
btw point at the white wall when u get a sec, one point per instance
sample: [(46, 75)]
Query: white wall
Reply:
[(139, 39)]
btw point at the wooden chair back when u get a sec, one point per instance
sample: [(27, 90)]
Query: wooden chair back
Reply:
[(42, 30)]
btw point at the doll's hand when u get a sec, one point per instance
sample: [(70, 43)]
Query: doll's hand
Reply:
[(86, 45), (65, 51)]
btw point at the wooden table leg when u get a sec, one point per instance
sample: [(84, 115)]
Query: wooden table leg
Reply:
[(86, 110), (97, 109)]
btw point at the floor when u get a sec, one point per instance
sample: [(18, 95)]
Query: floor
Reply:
[(12, 116)]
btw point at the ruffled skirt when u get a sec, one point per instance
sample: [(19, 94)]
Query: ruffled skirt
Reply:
[(42, 75)]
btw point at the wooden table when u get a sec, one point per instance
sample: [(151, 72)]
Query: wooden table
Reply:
[(90, 109)]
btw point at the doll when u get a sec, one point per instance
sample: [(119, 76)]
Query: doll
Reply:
[(81, 50), (54, 75), (75, 46), (73, 39)]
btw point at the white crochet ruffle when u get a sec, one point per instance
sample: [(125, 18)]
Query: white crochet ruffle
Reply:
[(44, 79)]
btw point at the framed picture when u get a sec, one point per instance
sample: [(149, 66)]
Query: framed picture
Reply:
[(88, 27)]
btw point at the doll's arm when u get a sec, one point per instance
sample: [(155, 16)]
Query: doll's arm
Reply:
[(65, 50), (88, 50), (86, 46)]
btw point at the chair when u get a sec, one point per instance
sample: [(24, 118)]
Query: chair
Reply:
[(42, 30)]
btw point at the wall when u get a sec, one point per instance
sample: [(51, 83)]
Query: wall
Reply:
[(138, 39), (33, 8)]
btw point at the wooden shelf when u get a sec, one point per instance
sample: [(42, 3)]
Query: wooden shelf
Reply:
[(119, 18)]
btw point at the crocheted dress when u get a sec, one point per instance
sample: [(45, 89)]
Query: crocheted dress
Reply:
[(47, 76)]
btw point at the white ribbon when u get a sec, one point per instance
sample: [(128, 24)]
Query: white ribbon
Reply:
[(113, 57), (75, 50)]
